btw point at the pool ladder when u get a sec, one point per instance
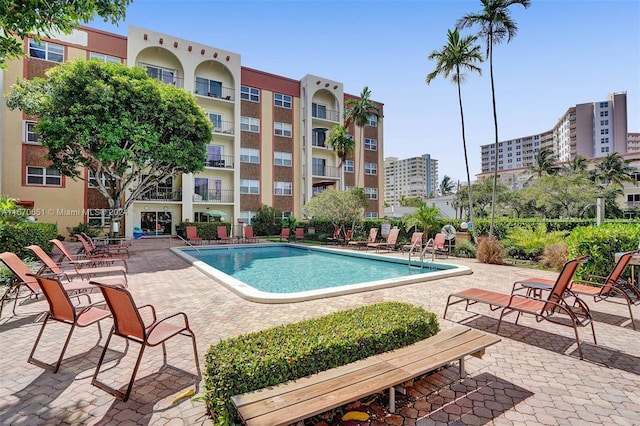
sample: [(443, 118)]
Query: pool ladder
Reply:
[(413, 247), (189, 244)]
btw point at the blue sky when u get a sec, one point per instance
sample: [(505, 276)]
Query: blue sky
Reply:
[(566, 52)]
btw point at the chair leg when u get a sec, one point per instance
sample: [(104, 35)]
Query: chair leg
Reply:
[(52, 367), (135, 371)]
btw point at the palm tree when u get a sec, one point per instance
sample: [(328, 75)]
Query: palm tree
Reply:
[(544, 162), (496, 24), (446, 186), (577, 165), (614, 168), (457, 55), (425, 218), (341, 142), (360, 111)]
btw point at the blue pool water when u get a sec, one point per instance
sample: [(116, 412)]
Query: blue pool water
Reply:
[(292, 269)]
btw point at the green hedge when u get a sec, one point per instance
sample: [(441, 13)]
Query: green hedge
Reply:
[(15, 237), (503, 225), (601, 243), (267, 358), (206, 230)]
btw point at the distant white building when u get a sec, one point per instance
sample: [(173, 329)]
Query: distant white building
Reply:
[(415, 177)]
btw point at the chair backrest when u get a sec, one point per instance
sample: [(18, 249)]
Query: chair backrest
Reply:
[(617, 271), (88, 248), (417, 236), (126, 318), (89, 240), (392, 238), (373, 234), (45, 259), (284, 233), (439, 241), (192, 233), (347, 237), (60, 305), (299, 232), (222, 232), (336, 233), (66, 253), (562, 282), (248, 231), (22, 271)]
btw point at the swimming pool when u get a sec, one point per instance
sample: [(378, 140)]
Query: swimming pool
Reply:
[(280, 273)]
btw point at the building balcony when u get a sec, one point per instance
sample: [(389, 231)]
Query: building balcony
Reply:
[(221, 93), (164, 75), (216, 196), (224, 128), (326, 171), (325, 115), (221, 162), (161, 194)]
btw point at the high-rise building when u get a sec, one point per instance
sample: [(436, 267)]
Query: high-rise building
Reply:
[(268, 145), (415, 177), (591, 129)]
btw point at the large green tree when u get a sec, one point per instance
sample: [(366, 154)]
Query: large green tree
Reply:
[(39, 18), (119, 123), (496, 25), (614, 169), (458, 55), (339, 207), (359, 111)]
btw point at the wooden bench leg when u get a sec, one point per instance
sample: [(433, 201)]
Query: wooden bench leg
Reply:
[(463, 373), (392, 399)]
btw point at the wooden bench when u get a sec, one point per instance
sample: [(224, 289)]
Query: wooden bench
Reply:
[(303, 398)]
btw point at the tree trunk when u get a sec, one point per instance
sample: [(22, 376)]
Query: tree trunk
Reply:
[(466, 158), (495, 126)]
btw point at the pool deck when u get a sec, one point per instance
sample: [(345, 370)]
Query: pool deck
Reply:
[(533, 376)]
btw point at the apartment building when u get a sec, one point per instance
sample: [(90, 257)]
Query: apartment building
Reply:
[(415, 177), (591, 129), (268, 145)]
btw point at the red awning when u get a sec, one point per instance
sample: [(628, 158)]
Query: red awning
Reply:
[(325, 183), (25, 203)]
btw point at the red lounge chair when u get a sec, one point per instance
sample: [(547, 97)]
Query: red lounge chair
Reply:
[(437, 245), (572, 314), (347, 237), (373, 234), (299, 235), (192, 235), (61, 309), (335, 238), (128, 324), (284, 234), (416, 241), (109, 248), (392, 239), (222, 235), (92, 261), (248, 235)]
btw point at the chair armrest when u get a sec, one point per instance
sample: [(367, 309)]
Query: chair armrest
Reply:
[(152, 309), (184, 317)]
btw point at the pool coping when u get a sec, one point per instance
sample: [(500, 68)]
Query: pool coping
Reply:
[(251, 294)]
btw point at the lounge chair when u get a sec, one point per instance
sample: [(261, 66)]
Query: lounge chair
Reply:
[(129, 324), (52, 267), (373, 234), (437, 246), (335, 238), (26, 279), (554, 308), (392, 239), (222, 235), (192, 235), (416, 242), (248, 235), (347, 237), (61, 309), (299, 235), (106, 249), (67, 257), (284, 234)]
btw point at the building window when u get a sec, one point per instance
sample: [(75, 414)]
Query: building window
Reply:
[(250, 155), (348, 166), (216, 120), (206, 87), (604, 131), (604, 122), (604, 104), (371, 215), (370, 169), (282, 129), (43, 176), (29, 134), (98, 217), (282, 188), (93, 182), (45, 50), (165, 75), (372, 121), (104, 58), (249, 124), (246, 216), (604, 140), (283, 101), (604, 113), (248, 186), (214, 156), (370, 144), (604, 149), (318, 110), (282, 159), (348, 187), (318, 136), (371, 193), (250, 94)]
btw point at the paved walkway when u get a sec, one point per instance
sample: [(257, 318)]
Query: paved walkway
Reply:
[(532, 377)]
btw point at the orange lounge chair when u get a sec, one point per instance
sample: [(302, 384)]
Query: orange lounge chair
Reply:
[(61, 309), (347, 237), (192, 235), (26, 278), (102, 250), (299, 235), (83, 273), (222, 235), (248, 235), (76, 260), (416, 241), (335, 238), (573, 314), (392, 239), (284, 234), (437, 245), (128, 324), (373, 234)]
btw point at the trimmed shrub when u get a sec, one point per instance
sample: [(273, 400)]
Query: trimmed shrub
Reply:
[(528, 242), (267, 358), (207, 230), (489, 250), (15, 237), (464, 249)]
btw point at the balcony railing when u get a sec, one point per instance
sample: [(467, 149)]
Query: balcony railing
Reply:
[(161, 194), (222, 196), (224, 127), (224, 162), (326, 171), (164, 75), (326, 114), (224, 93), (632, 205)]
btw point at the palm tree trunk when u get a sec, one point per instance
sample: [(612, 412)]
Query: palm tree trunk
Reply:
[(466, 158), (495, 127), (361, 155)]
